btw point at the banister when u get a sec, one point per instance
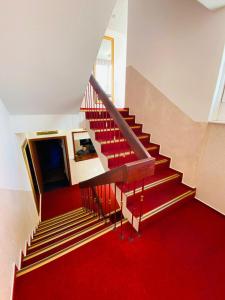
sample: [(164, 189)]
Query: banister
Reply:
[(137, 170), (126, 131), (129, 172)]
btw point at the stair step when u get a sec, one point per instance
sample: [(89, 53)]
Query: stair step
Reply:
[(112, 130), (63, 243), (68, 222), (60, 233), (165, 176), (115, 133), (109, 122), (160, 163), (58, 254), (125, 151), (102, 113), (77, 215), (62, 215), (155, 200), (141, 137)]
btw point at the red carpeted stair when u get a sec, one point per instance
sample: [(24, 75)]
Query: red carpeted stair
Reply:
[(180, 256), (162, 190), (59, 235)]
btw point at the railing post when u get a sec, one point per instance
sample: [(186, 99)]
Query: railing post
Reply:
[(132, 228), (141, 207), (121, 216), (115, 209)]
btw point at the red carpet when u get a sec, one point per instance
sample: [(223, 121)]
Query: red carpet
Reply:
[(60, 201), (179, 256)]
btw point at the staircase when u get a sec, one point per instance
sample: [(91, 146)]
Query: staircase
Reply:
[(60, 235), (145, 197)]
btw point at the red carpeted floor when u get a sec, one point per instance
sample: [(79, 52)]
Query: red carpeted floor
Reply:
[(60, 201), (179, 256)]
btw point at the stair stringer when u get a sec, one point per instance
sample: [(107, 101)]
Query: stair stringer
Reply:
[(126, 212)]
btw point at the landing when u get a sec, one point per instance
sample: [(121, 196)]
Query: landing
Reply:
[(60, 201)]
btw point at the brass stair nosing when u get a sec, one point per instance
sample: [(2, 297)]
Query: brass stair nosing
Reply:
[(162, 161), (76, 216), (83, 109), (65, 251), (109, 119), (62, 215), (114, 129), (153, 184), (130, 152), (166, 205), (63, 241), (141, 137), (70, 222), (61, 219), (61, 234)]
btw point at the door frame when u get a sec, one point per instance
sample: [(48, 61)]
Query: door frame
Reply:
[(37, 198), (36, 162), (111, 39)]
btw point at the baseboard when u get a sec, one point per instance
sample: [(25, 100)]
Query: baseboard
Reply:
[(13, 283), (210, 206)]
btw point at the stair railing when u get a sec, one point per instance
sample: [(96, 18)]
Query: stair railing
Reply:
[(118, 136)]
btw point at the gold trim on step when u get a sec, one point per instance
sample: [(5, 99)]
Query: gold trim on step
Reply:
[(65, 251), (153, 184), (63, 241), (109, 119), (162, 161), (115, 129), (166, 205), (61, 216), (55, 225), (61, 234), (57, 229), (128, 152), (141, 137)]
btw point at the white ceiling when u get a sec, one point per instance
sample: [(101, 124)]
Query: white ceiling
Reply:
[(48, 48), (212, 4)]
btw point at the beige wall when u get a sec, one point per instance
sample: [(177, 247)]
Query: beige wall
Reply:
[(17, 217), (193, 146), (211, 170), (178, 45)]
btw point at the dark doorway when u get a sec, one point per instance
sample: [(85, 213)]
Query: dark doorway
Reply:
[(53, 161), (32, 175)]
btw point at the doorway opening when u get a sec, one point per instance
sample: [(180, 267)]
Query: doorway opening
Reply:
[(52, 162), (31, 173)]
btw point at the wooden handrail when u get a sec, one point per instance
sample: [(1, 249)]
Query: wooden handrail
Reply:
[(126, 131), (129, 172)]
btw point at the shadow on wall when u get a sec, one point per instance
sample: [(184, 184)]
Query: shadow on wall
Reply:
[(187, 142)]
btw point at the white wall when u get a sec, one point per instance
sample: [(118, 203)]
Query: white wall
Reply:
[(18, 218), (9, 170), (177, 45), (31, 123), (48, 49), (18, 215)]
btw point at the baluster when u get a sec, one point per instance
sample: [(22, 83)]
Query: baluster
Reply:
[(141, 208), (132, 227), (109, 196), (121, 215), (114, 139), (115, 208)]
